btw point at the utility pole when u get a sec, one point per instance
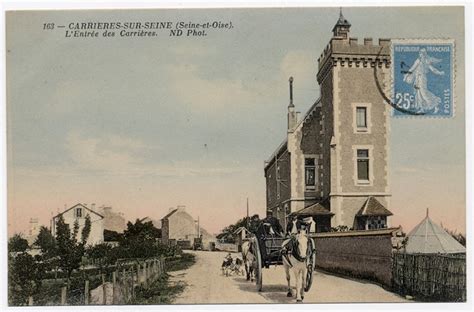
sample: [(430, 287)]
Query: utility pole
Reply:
[(199, 229), (248, 217)]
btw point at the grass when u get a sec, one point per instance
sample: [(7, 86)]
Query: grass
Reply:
[(162, 291), (181, 262)]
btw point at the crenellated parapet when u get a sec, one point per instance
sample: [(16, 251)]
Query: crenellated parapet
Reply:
[(351, 53)]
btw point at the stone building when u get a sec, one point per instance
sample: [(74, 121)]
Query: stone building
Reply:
[(179, 226), (336, 157), (113, 221), (78, 213)]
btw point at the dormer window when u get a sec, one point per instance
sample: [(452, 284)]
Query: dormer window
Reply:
[(78, 212)]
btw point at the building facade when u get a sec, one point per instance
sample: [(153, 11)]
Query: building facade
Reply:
[(179, 226), (336, 156), (113, 221), (78, 213)]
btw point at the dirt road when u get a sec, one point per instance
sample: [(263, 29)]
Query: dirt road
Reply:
[(206, 284)]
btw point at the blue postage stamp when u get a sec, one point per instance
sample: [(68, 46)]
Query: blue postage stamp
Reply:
[(423, 77)]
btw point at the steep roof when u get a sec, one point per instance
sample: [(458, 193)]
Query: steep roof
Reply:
[(284, 145), (169, 214), (342, 21), (372, 207), (429, 237), (315, 209), (78, 206)]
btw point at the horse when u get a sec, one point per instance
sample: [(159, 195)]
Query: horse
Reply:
[(249, 260), (295, 254)]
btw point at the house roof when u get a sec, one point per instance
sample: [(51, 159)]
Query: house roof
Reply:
[(372, 207), (169, 214), (284, 145), (315, 209), (429, 237), (78, 206)]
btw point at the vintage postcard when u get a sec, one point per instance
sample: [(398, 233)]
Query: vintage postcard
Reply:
[(236, 155)]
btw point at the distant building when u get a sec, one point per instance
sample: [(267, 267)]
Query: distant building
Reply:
[(78, 213), (113, 221), (335, 159), (180, 226), (156, 223), (33, 231)]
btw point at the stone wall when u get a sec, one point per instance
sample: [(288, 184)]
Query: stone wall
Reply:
[(361, 254)]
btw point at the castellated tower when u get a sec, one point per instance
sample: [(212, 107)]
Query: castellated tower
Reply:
[(353, 77), (333, 164)]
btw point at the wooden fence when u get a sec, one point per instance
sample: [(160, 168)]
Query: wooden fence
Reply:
[(116, 288), (430, 277)]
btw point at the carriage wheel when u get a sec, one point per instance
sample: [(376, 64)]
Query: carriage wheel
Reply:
[(258, 265), (310, 264)]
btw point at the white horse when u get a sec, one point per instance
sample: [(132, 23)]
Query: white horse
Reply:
[(295, 259), (249, 260)]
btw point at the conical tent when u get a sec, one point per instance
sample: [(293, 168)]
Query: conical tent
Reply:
[(429, 237)]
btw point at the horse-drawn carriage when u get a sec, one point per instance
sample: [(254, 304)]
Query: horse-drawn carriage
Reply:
[(270, 249)]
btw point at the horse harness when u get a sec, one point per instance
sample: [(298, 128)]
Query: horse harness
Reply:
[(291, 248)]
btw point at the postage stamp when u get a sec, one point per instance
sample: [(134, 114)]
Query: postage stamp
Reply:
[(423, 77)]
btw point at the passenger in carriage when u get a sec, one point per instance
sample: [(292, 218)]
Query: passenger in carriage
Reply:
[(269, 227)]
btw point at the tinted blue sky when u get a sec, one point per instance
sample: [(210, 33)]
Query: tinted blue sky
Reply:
[(144, 124)]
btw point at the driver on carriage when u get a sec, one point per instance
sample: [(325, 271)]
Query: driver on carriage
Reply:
[(269, 227)]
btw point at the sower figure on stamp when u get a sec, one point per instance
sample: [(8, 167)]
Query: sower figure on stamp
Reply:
[(418, 76)]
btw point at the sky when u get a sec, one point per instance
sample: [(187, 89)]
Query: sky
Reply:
[(145, 124)]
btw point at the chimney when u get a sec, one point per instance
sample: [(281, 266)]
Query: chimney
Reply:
[(291, 109), (93, 206)]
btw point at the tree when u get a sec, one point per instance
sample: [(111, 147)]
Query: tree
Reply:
[(70, 250), (17, 243), (457, 236), (103, 255), (86, 230), (24, 278), (250, 223), (140, 240), (46, 242)]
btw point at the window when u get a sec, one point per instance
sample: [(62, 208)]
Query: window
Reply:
[(78, 212), (363, 165), (376, 222), (310, 173), (361, 118)]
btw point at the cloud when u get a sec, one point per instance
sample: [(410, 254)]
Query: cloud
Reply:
[(104, 153), (301, 65), (210, 94), (112, 155)]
